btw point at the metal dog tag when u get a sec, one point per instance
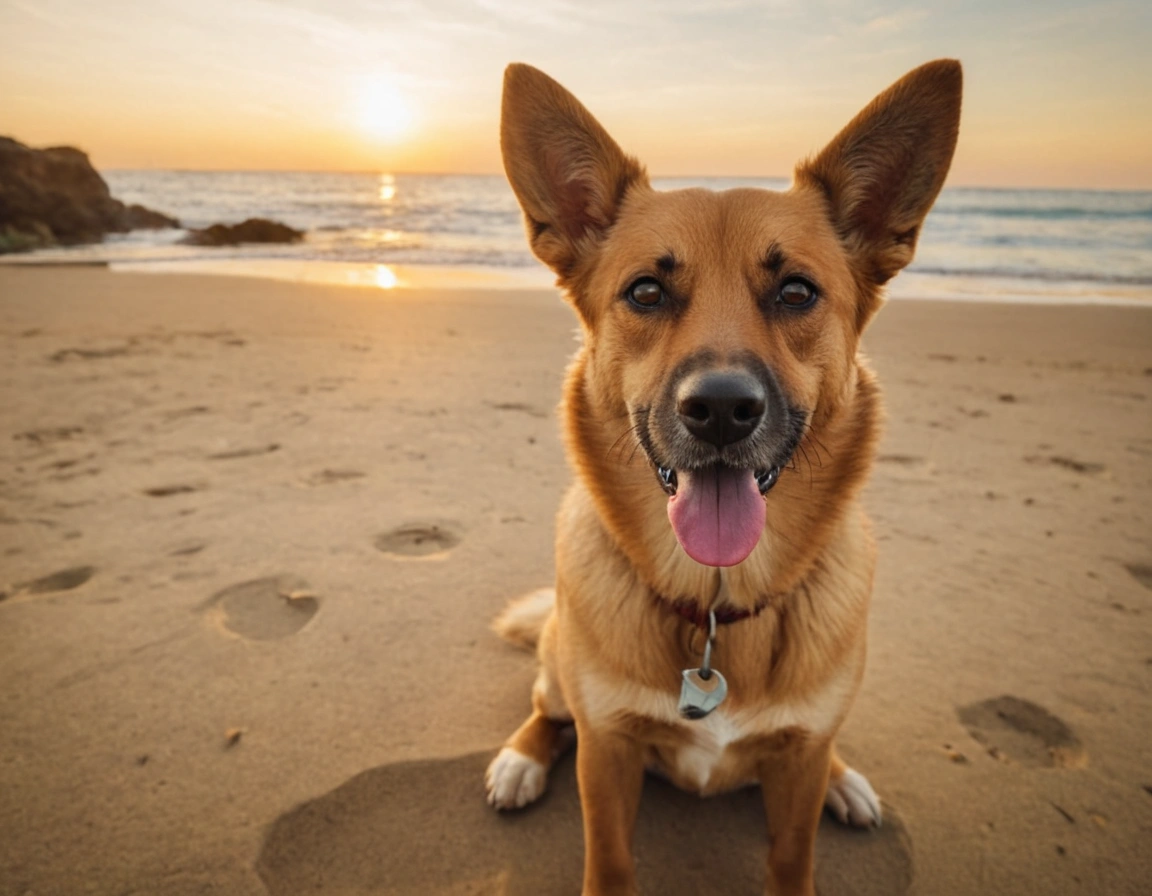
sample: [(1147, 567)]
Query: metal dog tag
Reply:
[(703, 689), (699, 695)]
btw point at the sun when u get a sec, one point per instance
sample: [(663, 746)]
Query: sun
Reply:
[(382, 111)]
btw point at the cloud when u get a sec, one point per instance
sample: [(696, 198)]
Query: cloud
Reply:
[(894, 22)]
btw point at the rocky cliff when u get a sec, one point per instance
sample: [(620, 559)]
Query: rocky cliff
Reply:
[(54, 197)]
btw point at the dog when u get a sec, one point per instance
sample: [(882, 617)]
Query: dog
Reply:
[(713, 563)]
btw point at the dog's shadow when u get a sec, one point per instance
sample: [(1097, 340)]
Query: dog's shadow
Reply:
[(423, 829)]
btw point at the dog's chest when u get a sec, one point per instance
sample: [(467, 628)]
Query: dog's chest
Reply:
[(710, 754), (704, 760)]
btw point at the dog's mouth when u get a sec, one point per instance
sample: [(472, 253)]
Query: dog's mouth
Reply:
[(717, 511), (669, 481), (717, 494)]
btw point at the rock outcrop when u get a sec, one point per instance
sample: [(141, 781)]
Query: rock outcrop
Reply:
[(137, 217), (54, 197), (254, 230)]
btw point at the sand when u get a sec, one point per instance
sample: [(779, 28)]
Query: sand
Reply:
[(252, 534)]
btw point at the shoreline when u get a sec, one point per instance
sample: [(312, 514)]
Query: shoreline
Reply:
[(389, 277)]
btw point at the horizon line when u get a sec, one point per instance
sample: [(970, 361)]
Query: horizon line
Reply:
[(410, 173)]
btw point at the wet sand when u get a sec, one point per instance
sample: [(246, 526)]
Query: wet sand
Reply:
[(252, 534)]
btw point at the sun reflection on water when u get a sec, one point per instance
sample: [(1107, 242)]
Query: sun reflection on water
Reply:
[(387, 187), (384, 277)]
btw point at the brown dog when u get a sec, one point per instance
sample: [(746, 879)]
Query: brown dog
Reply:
[(720, 346)]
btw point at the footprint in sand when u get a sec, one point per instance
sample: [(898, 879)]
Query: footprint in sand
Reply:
[(47, 436), (1067, 463), (89, 354), (907, 467), (902, 460), (443, 840), (1011, 728), (68, 463), (64, 580), (517, 406), (327, 477), (188, 549), (264, 609), (245, 452), (420, 540), (165, 491), (1141, 572), (186, 412)]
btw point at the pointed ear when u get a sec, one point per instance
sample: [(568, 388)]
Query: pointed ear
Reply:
[(568, 174), (883, 171)]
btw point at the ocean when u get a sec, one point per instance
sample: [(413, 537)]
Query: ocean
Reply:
[(1015, 245)]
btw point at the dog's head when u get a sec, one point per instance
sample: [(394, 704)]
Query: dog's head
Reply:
[(724, 326)]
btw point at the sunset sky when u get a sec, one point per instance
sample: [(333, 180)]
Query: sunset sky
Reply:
[(1057, 94)]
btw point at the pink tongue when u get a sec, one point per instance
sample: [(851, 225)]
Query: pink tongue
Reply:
[(717, 514)]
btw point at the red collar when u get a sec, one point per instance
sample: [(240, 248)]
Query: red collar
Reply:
[(726, 614)]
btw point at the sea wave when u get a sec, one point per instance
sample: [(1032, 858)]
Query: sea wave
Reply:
[(1028, 240), (1064, 213), (1051, 276)]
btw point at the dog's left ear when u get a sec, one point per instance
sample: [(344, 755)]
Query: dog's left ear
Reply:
[(568, 174), (883, 171)]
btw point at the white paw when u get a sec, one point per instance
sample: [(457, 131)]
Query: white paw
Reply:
[(852, 800), (513, 780)]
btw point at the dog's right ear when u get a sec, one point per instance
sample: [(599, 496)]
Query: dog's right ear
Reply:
[(568, 174)]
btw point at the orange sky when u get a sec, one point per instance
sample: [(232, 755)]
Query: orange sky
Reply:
[(1057, 94)]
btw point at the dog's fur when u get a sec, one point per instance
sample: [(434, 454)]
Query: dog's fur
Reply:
[(614, 636)]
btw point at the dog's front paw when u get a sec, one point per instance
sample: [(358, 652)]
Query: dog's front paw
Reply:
[(852, 800), (513, 780)]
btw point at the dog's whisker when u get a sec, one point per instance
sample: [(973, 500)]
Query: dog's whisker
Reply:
[(632, 456), (619, 439), (619, 444), (807, 460), (818, 446)]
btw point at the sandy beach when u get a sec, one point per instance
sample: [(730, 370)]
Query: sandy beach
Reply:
[(252, 534)]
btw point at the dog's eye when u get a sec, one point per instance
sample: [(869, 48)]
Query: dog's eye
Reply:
[(646, 293), (796, 293)]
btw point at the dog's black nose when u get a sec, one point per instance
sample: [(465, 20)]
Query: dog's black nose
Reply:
[(720, 408)]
